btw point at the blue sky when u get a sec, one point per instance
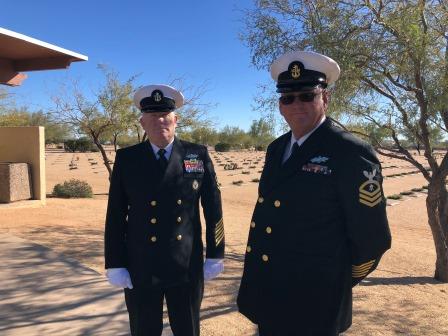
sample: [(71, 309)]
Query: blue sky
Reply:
[(159, 40)]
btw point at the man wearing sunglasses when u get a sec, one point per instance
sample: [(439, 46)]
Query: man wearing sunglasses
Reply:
[(319, 226)]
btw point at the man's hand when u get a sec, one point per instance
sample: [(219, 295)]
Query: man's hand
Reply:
[(212, 267), (119, 277)]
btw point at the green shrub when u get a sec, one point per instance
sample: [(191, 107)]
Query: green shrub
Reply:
[(239, 182), (417, 189), (406, 193), (70, 145), (81, 145), (222, 147), (394, 197), (73, 189), (261, 148), (256, 180), (84, 145), (425, 187)]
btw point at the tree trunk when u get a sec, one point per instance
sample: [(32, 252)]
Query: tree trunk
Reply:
[(437, 208), (138, 133), (103, 154), (115, 142)]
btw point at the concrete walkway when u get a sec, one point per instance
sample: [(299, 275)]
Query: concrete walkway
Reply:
[(45, 293)]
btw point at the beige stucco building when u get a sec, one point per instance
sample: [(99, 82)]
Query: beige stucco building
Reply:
[(19, 53)]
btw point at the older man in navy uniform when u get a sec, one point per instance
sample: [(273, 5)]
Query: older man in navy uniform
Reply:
[(153, 243), (319, 226)]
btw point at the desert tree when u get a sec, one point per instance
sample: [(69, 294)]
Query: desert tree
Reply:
[(394, 60), (99, 115)]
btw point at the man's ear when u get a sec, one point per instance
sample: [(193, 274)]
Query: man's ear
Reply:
[(326, 96)]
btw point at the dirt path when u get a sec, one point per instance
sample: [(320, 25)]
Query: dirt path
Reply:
[(400, 298)]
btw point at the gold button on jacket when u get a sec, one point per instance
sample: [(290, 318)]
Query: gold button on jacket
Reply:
[(152, 221), (320, 231)]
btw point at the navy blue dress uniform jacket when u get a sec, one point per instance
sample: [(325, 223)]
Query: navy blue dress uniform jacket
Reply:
[(318, 228), (153, 224)]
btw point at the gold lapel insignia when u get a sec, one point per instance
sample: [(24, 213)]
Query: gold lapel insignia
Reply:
[(195, 185), (370, 191)]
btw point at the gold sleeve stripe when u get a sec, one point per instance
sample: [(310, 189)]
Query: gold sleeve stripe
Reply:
[(362, 269), (220, 227), (369, 263), (219, 238), (361, 272), (219, 230), (219, 234), (220, 224)]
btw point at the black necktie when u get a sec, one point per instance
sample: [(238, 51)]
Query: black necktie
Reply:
[(163, 162), (294, 153)]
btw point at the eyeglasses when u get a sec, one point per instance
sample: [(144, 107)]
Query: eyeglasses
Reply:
[(305, 97)]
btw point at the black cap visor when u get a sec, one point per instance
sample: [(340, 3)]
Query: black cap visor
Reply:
[(149, 105)]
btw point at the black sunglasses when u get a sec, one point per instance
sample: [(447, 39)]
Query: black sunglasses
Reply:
[(305, 97)]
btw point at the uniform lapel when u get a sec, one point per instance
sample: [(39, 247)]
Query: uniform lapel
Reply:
[(273, 166), (150, 165), (174, 164)]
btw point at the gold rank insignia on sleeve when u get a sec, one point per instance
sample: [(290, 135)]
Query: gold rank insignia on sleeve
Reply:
[(360, 271), (370, 191), (219, 232)]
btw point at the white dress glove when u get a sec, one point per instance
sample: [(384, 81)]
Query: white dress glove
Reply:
[(119, 277), (212, 267)]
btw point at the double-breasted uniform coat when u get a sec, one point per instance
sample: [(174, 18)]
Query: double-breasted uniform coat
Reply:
[(318, 228), (153, 224)]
